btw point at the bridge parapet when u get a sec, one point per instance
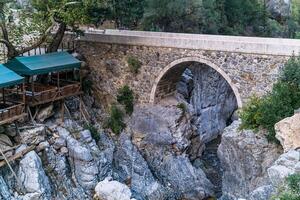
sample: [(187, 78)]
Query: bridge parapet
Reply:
[(237, 44)]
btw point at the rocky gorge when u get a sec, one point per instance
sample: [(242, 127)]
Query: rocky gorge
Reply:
[(186, 147)]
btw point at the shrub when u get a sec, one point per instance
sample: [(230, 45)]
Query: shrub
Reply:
[(126, 98), (267, 111), (292, 189), (278, 104), (182, 107), (291, 73), (134, 64), (115, 121), (94, 131), (250, 114)]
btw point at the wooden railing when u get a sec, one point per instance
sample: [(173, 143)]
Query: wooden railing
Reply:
[(46, 94), (12, 113)]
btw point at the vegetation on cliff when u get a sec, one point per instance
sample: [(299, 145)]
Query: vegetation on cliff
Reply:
[(280, 103), (291, 191)]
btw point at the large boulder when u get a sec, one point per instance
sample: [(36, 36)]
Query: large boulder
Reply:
[(163, 136), (112, 190), (32, 176), (131, 168), (288, 132), (213, 101), (35, 135), (45, 113), (84, 166), (245, 157), (288, 163)]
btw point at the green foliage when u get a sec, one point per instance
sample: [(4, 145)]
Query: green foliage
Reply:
[(250, 114), (291, 72), (134, 64), (127, 13), (182, 107), (280, 103), (125, 97), (94, 131), (173, 16), (115, 121), (292, 189)]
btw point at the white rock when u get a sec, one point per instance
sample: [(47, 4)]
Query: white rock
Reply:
[(45, 113), (112, 190), (288, 132), (32, 176), (36, 135)]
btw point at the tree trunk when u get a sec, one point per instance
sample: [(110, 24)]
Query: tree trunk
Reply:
[(57, 39)]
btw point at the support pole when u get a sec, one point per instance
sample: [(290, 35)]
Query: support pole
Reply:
[(32, 87), (24, 93), (62, 110), (3, 95)]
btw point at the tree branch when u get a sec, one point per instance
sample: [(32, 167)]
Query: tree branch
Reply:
[(40, 41)]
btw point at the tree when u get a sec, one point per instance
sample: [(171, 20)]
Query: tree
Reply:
[(173, 16), (127, 13), (42, 21)]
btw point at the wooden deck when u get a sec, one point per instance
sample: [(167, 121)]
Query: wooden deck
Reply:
[(9, 114), (49, 93)]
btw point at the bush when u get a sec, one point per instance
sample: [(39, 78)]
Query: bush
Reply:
[(291, 73), (94, 131), (267, 111), (280, 103), (126, 98), (292, 189), (182, 107), (250, 114), (115, 121), (134, 64)]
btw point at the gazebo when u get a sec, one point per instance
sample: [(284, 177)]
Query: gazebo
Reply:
[(12, 103), (49, 77)]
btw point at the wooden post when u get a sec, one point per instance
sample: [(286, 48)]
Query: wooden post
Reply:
[(3, 95), (62, 110), (24, 93), (58, 80), (32, 87)]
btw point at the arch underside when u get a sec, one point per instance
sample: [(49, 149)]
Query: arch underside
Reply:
[(165, 83)]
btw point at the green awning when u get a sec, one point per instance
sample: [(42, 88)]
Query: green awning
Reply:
[(8, 77), (43, 64)]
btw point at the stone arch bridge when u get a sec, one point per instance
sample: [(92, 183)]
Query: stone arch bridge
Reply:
[(250, 65)]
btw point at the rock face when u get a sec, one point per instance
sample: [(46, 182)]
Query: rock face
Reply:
[(131, 168), (162, 135), (213, 101), (112, 190), (245, 157), (33, 177), (279, 8), (288, 163), (288, 132)]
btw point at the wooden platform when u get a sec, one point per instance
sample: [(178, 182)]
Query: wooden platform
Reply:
[(47, 93), (12, 113)]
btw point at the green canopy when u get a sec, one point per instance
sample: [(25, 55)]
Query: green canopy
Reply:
[(8, 77), (43, 64)]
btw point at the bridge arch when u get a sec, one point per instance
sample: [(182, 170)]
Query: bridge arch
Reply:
[(162, 74)]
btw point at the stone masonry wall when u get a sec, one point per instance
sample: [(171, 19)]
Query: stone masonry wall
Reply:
[(250, 73)]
